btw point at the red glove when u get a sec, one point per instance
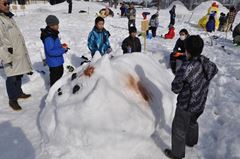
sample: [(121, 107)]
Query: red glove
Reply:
[(65, 46)]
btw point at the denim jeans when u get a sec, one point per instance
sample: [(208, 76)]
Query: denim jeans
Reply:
[(13, 85)]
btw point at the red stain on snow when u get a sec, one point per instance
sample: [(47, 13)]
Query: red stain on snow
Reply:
[(89, 71), (137, 86)]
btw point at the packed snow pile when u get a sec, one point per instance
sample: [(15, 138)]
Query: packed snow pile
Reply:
[(202, 10), (108, 109), (180, 7)]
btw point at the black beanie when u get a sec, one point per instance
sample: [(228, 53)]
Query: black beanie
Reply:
[(132, 30), (184, 31), (99, 19), (52, 20), (194, 45)]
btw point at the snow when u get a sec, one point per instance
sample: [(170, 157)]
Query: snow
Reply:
[(109, 117), (121, 92)]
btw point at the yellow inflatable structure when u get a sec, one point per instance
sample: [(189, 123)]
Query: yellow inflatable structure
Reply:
[(203, 21)]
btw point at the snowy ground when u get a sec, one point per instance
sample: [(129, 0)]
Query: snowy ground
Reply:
[(112, 121)]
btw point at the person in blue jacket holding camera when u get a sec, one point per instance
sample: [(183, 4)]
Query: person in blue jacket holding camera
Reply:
[(98, 38), (53, 48)]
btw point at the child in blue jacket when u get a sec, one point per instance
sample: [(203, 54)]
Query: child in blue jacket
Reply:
[(54, 50), (98, 39)]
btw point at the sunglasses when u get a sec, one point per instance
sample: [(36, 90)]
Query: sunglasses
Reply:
[(6, 3)]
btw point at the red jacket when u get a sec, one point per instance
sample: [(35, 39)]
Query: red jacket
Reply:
[(170, 34)]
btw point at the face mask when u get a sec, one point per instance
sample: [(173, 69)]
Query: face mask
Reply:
[(182, 37)]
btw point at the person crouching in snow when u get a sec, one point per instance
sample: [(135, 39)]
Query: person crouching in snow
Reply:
[(98, 38), (132, 42), (54, 50), (210, 26), (179, 50), (191, 83), (171, 33)]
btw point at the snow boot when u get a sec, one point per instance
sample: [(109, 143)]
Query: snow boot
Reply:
[(169, 154), (24, 96), (14, 105)]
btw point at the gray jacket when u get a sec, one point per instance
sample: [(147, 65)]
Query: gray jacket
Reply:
[(131, 13), (154, 22), (17, 61), (191, 83)]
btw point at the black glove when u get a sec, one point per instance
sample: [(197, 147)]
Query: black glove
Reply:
[(30, 73), (66, 50), (10, 50)]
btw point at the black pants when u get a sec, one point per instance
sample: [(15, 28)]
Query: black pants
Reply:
[(154, 31), (69, 6), (131, 23), (13, 85), (184, 131), (55, 74), (173, 63), (172, 21)]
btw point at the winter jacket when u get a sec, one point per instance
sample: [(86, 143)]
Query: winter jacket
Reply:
[(179, 46), (172, 13), (222, 20), (210, 27), (98, 41), (13, 50), (131, 13), (123, 10), (53, 47), (134, 43), (236, 31), (231, 17), (170, 34), (191, 83), (154, 22)]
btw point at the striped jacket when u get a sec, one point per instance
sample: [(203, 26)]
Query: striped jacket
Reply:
[(191, 83)]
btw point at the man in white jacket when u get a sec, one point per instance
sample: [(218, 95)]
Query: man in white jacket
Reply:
[(14, 55)]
